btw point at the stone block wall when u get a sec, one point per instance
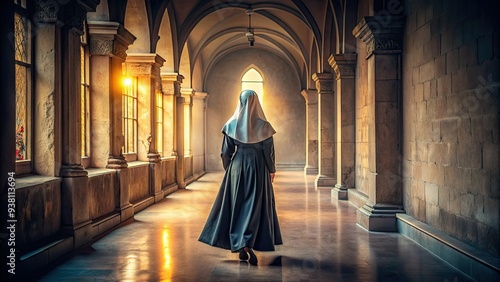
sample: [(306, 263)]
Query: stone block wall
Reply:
[(168, 172), (451, 118), (138, 182), (103, 194), (38, 200)]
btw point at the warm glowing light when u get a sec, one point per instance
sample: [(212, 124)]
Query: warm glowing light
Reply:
[(253, 80), (127, 81), (166, 254)]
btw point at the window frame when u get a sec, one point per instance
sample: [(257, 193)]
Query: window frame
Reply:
[(21, 9), (86, 149), (130, 93)]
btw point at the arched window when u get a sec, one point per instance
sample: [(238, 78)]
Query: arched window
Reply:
[(253, 80)]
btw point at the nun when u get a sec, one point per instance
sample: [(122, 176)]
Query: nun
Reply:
[(243, 216)]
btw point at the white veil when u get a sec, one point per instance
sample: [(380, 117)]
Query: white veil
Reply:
[(248, 123)]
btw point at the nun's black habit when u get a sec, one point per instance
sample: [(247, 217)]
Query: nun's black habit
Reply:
[(244, 212)]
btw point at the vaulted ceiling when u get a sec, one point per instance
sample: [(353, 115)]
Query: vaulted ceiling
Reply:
[(303, 33)]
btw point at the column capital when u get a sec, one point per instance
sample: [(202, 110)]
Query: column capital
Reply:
[(137, 64), (324, 82), (381, 36), (344, 65), (171, 82), (311, 96), (187, 94), (200, 95), (72, 13), (109, 38)]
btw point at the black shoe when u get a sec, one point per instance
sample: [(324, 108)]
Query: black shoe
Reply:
[(243, 255), (253, 257)]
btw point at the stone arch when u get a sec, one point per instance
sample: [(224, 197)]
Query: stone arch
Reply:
[(165, 44), (135, 17), (252, 70), (185, 67)]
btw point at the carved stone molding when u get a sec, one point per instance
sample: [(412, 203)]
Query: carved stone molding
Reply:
[(324, 82), (109, 38), (344, 65), (171, 83), (381, 36), (46, 11), (100, 46), (144, 64), (70, 13), (310, 96)]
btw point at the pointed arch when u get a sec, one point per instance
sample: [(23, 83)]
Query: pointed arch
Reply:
[(253, 79)]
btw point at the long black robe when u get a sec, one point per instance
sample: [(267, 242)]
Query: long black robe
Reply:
[(244, 211)]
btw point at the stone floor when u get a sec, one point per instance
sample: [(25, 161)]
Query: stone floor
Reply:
[(322, 242)]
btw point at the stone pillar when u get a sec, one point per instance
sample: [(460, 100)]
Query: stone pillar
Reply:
[(47, 91), (179, 140), (385, 199), (344, 66), (326, 130), (146, 67), (171, 85), (108, 44), (311, 98), (187, 94), (199, 132), (74, 193)]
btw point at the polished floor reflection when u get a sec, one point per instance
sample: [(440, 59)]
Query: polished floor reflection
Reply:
[(322, 242)]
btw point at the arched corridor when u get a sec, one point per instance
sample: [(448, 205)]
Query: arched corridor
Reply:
[(389, 108), (322, 242)]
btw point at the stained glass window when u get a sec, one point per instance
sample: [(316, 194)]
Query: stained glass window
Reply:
[(22, 44)]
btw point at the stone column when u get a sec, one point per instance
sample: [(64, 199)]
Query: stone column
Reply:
[(199, 134), (179, 140), (385, 199), (311, 98), (47, 91), (108, 44), (74, 193), (146, 67), (187, 94), (326, 130), (171, 85), (344, 66)]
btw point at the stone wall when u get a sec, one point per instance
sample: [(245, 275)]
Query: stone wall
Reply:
[(138, 182), (283, 104), (451, 138), (38, 201), (168, 172), (103, 193)]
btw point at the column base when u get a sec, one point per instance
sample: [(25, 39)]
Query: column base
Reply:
[(324, 181), (309, 170), (155, 180), (126, 211), (82, 233), (379, 217), (117, 162), (339, 192)]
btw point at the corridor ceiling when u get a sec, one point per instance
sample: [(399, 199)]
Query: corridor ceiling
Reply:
[(299, 31), (212, 30)]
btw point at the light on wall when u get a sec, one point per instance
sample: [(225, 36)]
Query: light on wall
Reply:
[(250, 34)]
